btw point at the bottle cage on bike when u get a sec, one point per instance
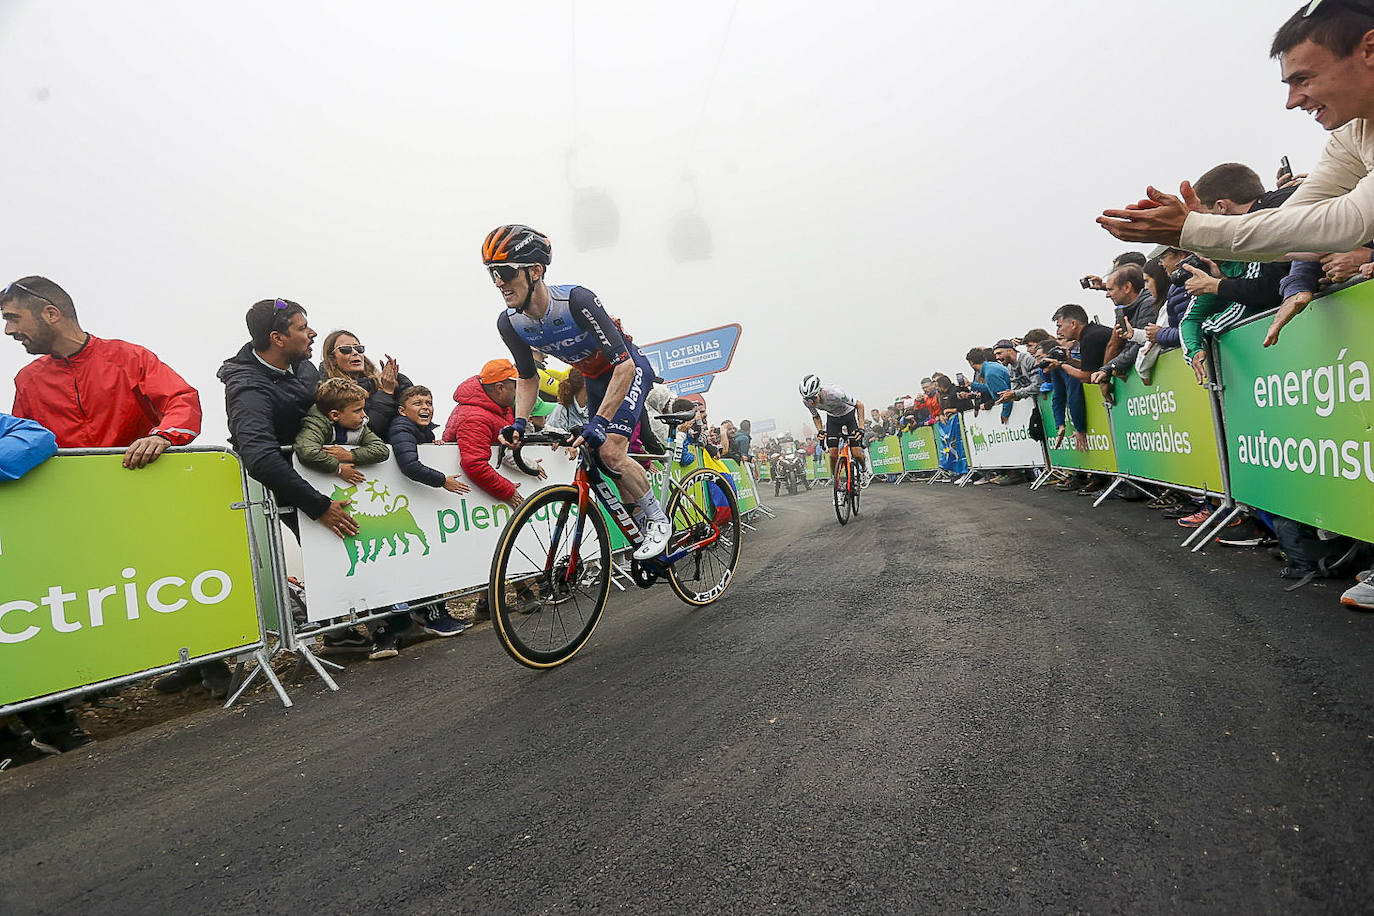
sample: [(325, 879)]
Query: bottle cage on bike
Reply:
[(557, 438)]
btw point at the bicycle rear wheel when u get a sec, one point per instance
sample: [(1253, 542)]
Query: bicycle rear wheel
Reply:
[(550, 578), (842, 489), (703, 575)]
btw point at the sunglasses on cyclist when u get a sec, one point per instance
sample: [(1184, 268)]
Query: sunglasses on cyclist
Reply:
[(17, 285), (506, 272), (346, 350)]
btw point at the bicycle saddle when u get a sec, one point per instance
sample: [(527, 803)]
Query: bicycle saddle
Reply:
[(677, 419)]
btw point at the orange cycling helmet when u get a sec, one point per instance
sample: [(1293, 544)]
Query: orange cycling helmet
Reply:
[(516, 244)]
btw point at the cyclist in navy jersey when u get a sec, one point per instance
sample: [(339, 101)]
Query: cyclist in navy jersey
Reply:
[(570, 323)]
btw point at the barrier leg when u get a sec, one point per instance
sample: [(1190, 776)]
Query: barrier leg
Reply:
[(619, 572), (1042, 478), (1140, 488), (264, 660), (1218, 528), (1107, 493), (303, 652)]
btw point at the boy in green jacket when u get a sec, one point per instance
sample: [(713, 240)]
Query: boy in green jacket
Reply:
[(334, 436)]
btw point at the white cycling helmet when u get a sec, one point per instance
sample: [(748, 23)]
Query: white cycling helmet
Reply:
[(810, 386)]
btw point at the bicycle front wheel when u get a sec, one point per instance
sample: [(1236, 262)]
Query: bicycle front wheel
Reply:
[(550, 578), (854, 491), (703, 575), (842, 489)]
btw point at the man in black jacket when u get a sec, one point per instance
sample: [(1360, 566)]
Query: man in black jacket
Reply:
[(268, 387)]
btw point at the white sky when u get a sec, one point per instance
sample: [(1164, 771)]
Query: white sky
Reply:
[(886, 184)]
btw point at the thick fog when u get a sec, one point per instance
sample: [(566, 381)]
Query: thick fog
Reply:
[(885, 185)]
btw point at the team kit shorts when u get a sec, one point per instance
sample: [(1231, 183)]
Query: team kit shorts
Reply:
[(835, 429), (627, 417)]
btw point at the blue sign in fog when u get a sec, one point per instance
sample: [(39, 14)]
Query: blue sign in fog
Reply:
[(699, 385), (694, 355)]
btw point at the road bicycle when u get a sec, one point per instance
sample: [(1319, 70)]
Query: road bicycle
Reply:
[(847, 481), (559, 546)]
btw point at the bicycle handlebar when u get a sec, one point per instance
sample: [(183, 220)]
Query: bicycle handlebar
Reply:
[(557, 438)]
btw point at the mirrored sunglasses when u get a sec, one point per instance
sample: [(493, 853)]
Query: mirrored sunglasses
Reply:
[(506, 272)]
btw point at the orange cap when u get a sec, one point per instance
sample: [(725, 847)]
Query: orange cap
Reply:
[(496, 370)]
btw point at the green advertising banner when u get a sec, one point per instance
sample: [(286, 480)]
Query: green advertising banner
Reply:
[(885, 455), (1298, 415), (745, 493), (1164, 431), (817, 470), (1100, 456), (154, 562), (919, 452)]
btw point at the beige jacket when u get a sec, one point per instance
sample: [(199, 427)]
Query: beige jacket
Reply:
[(1333, 209)]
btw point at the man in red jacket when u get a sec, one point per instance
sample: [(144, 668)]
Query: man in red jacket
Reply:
[(92, 392), (485, 404), (98, 393)]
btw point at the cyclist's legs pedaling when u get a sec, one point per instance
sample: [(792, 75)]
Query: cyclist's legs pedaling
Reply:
[(623, 423), (835, 431)]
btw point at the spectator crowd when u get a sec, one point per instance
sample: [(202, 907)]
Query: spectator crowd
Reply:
[(1225, 250), (1221, 255)]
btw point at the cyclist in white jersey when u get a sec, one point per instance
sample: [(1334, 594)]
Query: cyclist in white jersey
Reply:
[(842, 413)]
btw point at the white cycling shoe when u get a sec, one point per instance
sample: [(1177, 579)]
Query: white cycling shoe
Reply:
[(656, 534)]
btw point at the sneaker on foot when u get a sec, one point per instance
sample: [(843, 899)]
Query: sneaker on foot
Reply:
[(1008, 480), (1182, 510), (346, 639), (384, 645), (215, 677), (656, 534), (1249, 533), (526, 602), (1360, 595), (1196, 519), (434, 621)]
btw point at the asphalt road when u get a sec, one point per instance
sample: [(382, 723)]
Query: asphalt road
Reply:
[(983, 700)]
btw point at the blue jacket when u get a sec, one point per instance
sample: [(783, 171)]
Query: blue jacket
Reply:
[(405, 436), (996, 379), (1068, 390), (24, 445), (1177, 304)]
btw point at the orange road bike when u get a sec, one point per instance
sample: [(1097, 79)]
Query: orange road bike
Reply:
[(847, 482), (558, 546)]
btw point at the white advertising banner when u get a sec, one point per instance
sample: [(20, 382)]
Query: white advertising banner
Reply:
[(413, 541), (990, 443)]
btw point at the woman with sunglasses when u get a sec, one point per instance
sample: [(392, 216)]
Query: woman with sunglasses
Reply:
[(345, 357)]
